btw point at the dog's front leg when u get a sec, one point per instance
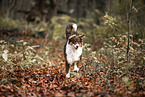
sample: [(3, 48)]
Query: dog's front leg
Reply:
[(67, 70), (76, 66)]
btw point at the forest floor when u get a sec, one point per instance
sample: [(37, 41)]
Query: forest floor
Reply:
[(35, 67)]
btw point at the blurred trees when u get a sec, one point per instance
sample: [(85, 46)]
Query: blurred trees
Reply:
[(13, 7), (129, 8), (45, 9)]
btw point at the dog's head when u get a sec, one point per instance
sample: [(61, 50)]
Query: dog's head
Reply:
[(76, 41)]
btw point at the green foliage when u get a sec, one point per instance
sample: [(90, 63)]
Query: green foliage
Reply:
[(22, 55), (109, 64), (54, 29), (57, 26), (7, 22), (110, 21)]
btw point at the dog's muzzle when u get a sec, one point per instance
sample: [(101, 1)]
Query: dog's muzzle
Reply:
[(76, 46)]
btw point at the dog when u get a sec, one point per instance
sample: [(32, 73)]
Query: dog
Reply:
[(73, 53)]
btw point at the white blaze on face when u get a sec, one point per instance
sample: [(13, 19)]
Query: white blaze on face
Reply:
[(76, 46), (75, 27)]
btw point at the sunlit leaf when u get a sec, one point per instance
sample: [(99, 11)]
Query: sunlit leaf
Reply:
[(5, 55)]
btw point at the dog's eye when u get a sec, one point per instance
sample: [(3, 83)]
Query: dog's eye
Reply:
[(73, 41), (70, 43)]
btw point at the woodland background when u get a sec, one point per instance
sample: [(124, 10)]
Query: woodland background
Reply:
[(32, 35)]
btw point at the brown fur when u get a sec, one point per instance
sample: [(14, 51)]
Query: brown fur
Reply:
[(69, 30)]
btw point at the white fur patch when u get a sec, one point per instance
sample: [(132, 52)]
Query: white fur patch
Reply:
[(75, 27), (68, 75), (72, 53), (76, 68)]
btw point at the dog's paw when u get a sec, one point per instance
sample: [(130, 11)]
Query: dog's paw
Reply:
[(76, 68), (68, 75)]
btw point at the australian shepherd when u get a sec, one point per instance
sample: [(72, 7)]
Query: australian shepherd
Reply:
[(73, 50)]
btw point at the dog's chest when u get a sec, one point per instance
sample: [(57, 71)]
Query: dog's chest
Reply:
[(73, 54)]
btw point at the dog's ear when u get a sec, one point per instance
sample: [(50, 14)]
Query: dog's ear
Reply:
[(81, 36), (72, 36)]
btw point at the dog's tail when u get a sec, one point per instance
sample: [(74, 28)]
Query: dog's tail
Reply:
[(71, 29)]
